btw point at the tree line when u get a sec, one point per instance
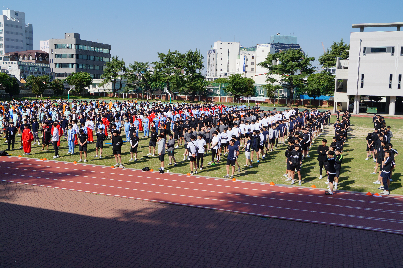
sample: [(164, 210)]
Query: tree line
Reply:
[(181, 73)]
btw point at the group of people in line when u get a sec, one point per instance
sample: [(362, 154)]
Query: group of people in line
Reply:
[(223, 131), (380, 149)]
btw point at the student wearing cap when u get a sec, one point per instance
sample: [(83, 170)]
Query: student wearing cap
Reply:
[(10, 135), (27, 138)]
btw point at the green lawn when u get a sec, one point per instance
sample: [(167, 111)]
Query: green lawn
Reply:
[(355, 170)]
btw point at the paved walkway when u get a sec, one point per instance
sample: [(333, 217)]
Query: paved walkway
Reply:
[(347, 209), (45, 227)]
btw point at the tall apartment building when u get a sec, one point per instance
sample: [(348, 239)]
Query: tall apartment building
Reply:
[(72, 55), (15, 35), (227, 58), (376, 65)]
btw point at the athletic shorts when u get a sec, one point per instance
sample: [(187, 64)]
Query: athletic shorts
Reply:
[(99, 145), (231, 162), (330, 177), (272, 140), (82, 148), (161, 157), (261, 147), (288, 166), (192, 159), (242, 136), (133, 150), (337, 172), (296, 168), (247, 155), (224, 145), (152, 143), (256, 149), (379, 160), (171, 153), (304, 148), (115, 152), (370, 148)]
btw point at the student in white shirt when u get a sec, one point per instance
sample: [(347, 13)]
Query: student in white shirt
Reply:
[(201, 147)]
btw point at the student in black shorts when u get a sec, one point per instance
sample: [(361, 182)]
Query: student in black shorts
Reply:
[(331, 171), (100, 142), (134, 144), (82, 145), (153, 141), (117, 143)]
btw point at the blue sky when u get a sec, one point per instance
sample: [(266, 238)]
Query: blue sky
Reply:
[(137, 30)]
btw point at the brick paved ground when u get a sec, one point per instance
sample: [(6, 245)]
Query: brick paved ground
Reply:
[(44, 227)]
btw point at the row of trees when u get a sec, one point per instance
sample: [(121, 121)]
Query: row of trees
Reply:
[(175, 71)]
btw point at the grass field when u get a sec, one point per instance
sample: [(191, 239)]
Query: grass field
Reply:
[(355, 170)]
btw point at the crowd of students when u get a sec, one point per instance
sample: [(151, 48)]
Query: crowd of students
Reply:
[(222, 131), (380, 148)]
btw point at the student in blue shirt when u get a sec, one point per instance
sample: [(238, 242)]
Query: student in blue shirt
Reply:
[(231, 158), (126, 126), (145, 127)]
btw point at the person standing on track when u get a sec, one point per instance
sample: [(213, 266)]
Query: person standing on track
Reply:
[(27, 138), (192, 150), (71, 136), (55, 140), (201, 147), (171, 149), (161, 151), (117, 143), (231, 158), (331, 171), (100, 142), (134, 144), (82, 145)]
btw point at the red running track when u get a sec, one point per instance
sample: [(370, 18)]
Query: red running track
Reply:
[(347, 209)]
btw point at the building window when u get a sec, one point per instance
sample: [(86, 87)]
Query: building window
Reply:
[(401, 51), (377, 50), (400, 81), (390, 80), (252, 69), (253, 57), (252, 63), (63, 46), (362, 80)]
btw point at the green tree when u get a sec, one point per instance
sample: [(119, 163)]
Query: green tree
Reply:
[(292, 65), (168, 72), (271, 89), (113, 70), (38, 84), (340, 49), (138, 76), (58, 86), (320, 84), (194, 82), (240, 86), (9, 84), (79, 81)]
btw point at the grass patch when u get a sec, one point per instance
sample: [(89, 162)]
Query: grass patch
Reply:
[(355, 170)]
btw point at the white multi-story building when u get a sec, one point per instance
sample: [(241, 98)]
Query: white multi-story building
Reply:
[(15, 35), (227, 58), (376, 65)]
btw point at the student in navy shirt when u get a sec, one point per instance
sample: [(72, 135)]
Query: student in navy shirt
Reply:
[(35, 129), (231, 158)]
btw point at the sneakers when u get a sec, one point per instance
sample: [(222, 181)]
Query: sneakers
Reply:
[(116, 165), (100, 156), (85, 160), (335, 187), (80, 160), (239, 169), (201, 169), (153, 155), (285, 175), (377, 182), (176, 147), (320, 177), (148, 154), (54, 157), (226, 176), (385, 192), (328, 193), (250, 166), (373, 173), (131, 159), (175, 164), (288, 179), (258, 161), (121, 166), (96, 156), (292, 182), (308, 155), (196, 171), (380, 187), (299, 183), (327, 182), (367, 158)]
